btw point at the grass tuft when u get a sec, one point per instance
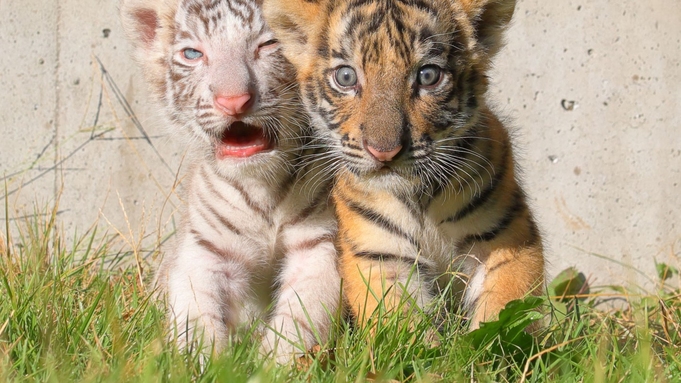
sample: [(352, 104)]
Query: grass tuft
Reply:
[(68, 315)]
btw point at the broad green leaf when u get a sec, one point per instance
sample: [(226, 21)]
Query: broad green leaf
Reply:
[(664, 271), (507, 334), (567, 283)]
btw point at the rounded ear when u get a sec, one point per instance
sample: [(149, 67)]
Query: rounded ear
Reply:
[(140, 21), (148, 25), (489, 18), (296, 23)]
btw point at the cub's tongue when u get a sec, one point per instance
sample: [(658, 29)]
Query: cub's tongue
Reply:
[(242, 140)]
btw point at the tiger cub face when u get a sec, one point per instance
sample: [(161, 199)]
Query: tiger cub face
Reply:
[(218, 70), (393, 86)]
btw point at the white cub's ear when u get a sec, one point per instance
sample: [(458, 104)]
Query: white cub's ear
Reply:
[(141, 21), (489, 18), (149, 27), (148, 23)]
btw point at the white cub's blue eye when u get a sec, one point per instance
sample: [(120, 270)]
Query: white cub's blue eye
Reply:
[(192, 54), (345, 77), (429, 75), (268, 43)]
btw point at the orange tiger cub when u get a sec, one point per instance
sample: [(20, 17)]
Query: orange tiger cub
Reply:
[(424, 169)]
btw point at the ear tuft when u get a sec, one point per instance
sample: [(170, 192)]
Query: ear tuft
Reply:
[(296, 25), (140, 22), (148, 25), (147, 22), (490, 18)]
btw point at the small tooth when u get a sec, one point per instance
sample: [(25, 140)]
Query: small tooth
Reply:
[(241, 147)]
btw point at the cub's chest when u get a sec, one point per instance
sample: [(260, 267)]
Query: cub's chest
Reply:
[(438, 241)]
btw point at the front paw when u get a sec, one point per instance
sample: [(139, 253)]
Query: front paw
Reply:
[(204, 334), (286, 342)]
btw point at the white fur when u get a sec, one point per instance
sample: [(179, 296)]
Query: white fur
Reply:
[(238, 257), (211, 296)]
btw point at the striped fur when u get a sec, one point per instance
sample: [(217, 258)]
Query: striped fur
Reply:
[(256, 238), (425, 174)]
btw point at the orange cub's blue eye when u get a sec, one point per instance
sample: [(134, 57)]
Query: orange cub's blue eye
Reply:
[(429, 75), (345, 77), (192, 54)]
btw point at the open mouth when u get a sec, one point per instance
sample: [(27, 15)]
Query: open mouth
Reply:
[(242, 140)]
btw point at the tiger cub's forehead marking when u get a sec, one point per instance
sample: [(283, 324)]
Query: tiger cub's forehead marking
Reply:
[(203, 19), (388, 32)]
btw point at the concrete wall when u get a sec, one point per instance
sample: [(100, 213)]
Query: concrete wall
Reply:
[(67, 75), (592, 88)]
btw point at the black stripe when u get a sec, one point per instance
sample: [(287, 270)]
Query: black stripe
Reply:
[(311, 208), (210, 246), (353, 146), (421, 5), (239, 12), (534, 236), (338, 55), (481, 199), (474, 80), (518, 206), (215, 193), (441, 179), (206, 219), (209, 185), (451, 93), (498, 265), (474, 204), (285, 188), (252, 204), (410, 205), (312, 243), (387, 257), (305, 163), (224, 221), (354, 23), (380, 220), (323, 49), (352, 155)]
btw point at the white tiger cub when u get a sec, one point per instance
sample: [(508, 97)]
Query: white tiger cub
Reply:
[(257, 232)]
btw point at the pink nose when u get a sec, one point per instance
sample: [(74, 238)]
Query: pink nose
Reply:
[(384, 156), (233, 105)]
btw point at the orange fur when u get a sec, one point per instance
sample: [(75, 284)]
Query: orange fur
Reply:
[(449, 202)]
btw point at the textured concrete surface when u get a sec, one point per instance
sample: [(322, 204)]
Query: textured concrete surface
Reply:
[(68, 135), (592, 88)]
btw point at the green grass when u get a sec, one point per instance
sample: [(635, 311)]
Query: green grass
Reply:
[(67, 314)]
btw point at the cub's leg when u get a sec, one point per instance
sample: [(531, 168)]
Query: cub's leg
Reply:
[(370, 284), (308, 292), (206, 289), (379, 263), (509, 272)]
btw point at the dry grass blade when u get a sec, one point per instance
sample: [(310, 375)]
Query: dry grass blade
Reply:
[(373, 377), (67, 317), (315, 355), (3, 245), (543, 352)]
